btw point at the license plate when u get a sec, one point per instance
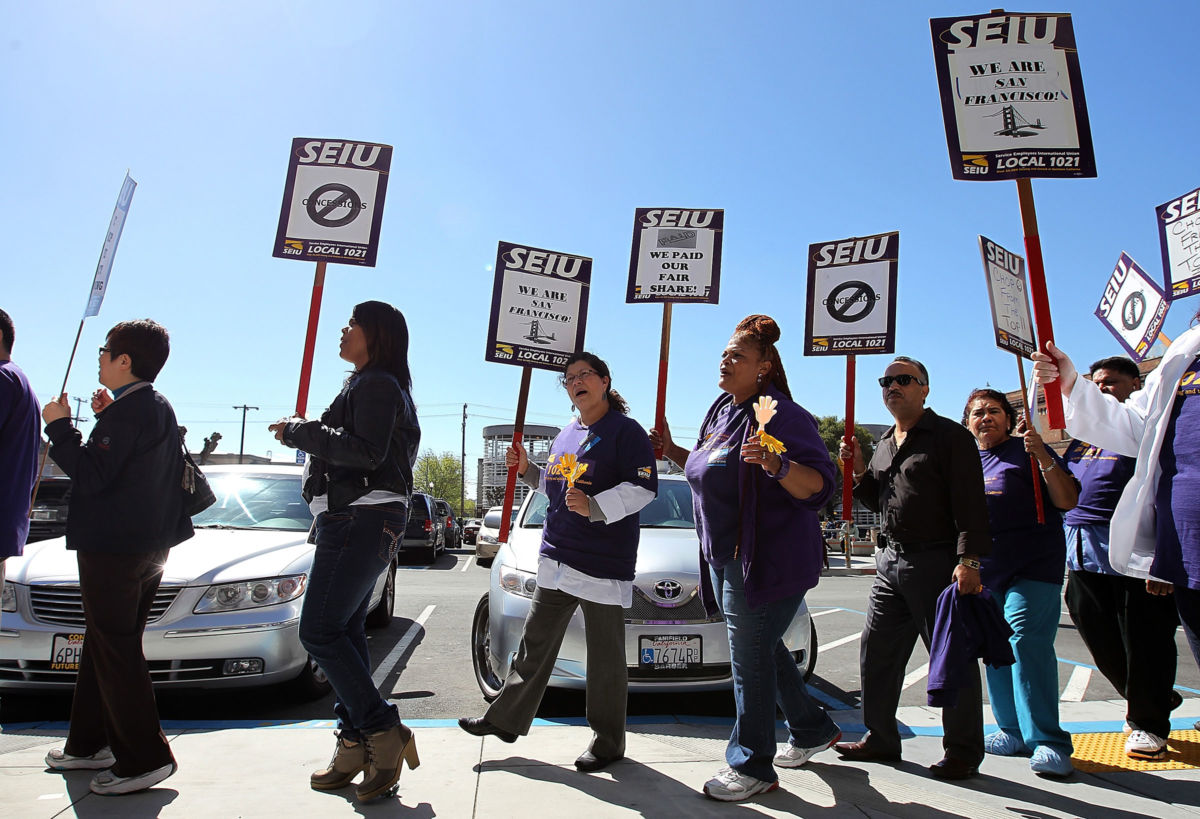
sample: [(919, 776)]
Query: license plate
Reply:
[(65, 653), (43, 514), (670, 652)]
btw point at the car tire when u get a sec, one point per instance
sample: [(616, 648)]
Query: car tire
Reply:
[(485, 562), (481, 659), (311, 683), (811, 665), (431, 554), (381, 615)]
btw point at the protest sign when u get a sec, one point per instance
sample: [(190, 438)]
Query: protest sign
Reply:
[(539, 306), (1012, 96), (1133, 307), (676, 256), (333, 201), (851, 296), (1179, 235), (109, 250), (1011, 322)]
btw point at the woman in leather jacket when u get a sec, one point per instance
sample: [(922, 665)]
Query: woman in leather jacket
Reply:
[(358, 484)]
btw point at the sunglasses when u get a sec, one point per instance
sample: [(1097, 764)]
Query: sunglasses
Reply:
[(904, 379)]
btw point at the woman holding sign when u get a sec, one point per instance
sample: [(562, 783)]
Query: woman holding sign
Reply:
[(1155, 531), (599, 476), (1024, 571), (757, 493), (358, 483)]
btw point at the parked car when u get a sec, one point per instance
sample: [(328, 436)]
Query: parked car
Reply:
[(470, 529), (48, 518), (451, 537), (425, 533), (671, 643), (487, 539), (226, 614)]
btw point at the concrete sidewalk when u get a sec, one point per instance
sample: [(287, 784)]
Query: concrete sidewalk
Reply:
[(247, 770)]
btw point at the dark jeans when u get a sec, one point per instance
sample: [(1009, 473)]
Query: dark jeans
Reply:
[(1187, 602), (354, 546), (902, 607), (114, 702), (764, 675), (1131, 636)]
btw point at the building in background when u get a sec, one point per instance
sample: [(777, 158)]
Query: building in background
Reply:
[(492, 474)]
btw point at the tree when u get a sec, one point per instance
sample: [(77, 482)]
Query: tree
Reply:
[(443, 472), (832, 429)]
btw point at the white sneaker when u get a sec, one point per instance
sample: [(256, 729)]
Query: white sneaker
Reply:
[(791, 756), (60, 760), (1127, 728), (730, 786), (1145, 745), (107, 783)]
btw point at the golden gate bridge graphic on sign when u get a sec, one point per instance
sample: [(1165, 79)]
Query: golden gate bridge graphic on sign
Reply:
[(1015, 124), (535, 334)]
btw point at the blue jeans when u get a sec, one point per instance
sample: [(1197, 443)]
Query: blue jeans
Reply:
[(353, 546), (764, 673), (1024, 696)]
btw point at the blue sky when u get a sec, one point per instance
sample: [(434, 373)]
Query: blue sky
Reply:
[(546, 123)]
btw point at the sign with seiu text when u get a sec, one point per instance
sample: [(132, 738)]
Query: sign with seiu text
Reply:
[(1133, 307), (852, 296), (109, 251), (333, 201), (676, 255), (1009, 298), (539, 306), (1179, 235), (1012, 96)]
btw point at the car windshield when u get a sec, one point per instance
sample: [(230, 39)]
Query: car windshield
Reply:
[(255, 501), (672, 509)]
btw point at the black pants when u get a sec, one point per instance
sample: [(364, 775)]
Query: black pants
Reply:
[(1131, 635), (902, 607), (114, 702)]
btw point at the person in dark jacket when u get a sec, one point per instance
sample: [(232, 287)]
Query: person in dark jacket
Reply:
[(358, 484), (20, 439), (760, 550), (126, 512)]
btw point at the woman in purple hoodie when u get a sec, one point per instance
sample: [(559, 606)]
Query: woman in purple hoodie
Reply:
[(760, 548)]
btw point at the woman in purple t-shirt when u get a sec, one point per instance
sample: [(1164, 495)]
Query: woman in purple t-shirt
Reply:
[(761, 550), (1024, 572)]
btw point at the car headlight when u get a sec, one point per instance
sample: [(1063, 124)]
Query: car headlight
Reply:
[(487, 539), (250, 594), (516, 581), (8, 598)]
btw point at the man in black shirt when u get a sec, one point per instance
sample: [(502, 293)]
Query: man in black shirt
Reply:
[(926, 480)]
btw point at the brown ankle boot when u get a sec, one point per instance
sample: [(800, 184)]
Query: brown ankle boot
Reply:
[(386, 753), (348, 761)]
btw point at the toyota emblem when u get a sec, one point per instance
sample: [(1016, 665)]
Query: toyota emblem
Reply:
[(668, 590)]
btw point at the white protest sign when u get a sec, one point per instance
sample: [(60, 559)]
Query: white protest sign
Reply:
[(852, 296), (539, 306), (676, 256), (1132, 307), (1179, 236), (333, 201), (1009, 298), (108, 251)]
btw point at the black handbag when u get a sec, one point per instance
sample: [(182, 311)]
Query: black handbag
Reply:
[(197, 494)]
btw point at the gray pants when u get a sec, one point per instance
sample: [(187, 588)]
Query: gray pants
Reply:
[(902, 607), (607, 676)]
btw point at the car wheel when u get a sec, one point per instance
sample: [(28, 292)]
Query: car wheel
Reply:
[(485, 562), (381, 615), (311, 684), (481, 657), (431, 555), (811, 665)]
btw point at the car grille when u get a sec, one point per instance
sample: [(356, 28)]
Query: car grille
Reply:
[(63, 605), (646, 610), (161, 671)]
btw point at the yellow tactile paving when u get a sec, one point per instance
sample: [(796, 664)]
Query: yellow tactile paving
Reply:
[(1096, 753)]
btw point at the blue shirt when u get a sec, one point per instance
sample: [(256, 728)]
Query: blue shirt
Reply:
[(20, 440), (1102, 475)]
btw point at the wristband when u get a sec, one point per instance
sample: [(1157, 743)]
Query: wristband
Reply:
[(784, 466), (1051, 468), (969, 563)]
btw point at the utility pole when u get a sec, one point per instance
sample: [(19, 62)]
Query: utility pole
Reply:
[(78, 419), (462, 469), (242, 445)]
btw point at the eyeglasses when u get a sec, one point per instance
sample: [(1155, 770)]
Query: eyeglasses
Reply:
[(104, 350), (904, 379), (568, 379)]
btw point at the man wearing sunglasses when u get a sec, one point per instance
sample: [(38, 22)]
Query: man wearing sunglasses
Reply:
[(926, 480)]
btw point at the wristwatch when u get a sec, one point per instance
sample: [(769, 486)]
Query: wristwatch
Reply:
[(970, 563)]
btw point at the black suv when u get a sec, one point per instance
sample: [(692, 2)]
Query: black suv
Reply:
[(424, 531), (453, 534)]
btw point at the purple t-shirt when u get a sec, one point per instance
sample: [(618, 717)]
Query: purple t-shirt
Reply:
[(1102, 475), (1021, 547), (1177, 502), (712, 470)]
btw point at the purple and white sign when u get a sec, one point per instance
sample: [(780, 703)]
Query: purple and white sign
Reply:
[(1133, 307), (1012, 96), (1179, 235), (333, 201), (539, 306), (676, 256), (1009, 298), (852, 296)]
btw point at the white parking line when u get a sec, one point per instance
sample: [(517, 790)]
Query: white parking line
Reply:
[(389, 662), (916, 676), (819, 613), (467, 563), (848, 639), (1077, 684)]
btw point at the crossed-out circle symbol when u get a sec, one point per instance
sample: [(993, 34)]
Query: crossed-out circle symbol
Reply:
[(346, 197), (857, 293), (1133, 310)]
